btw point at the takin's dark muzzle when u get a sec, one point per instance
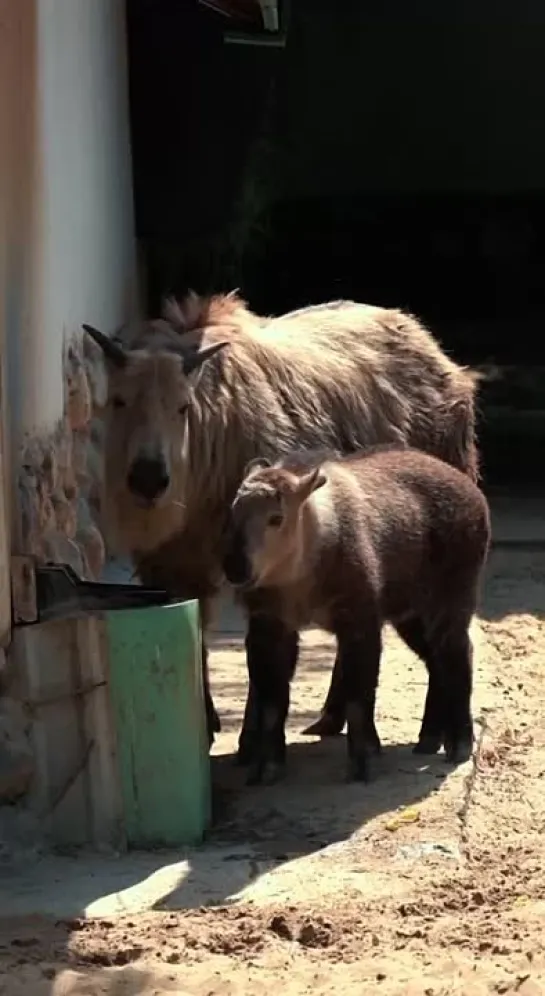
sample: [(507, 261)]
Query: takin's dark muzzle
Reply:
[(148, 479)]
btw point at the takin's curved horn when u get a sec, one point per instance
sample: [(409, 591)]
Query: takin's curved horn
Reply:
[(192, 361), (112, 351)]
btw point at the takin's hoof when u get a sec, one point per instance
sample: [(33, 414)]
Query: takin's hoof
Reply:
[(266, 773), (211, 732), (428, 744), (327, 725), (213, 724)]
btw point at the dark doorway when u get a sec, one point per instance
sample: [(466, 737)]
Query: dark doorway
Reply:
[(387, 153)]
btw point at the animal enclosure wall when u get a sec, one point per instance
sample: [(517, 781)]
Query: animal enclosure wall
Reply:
[(404, 163), (416, 165), (67, 257)]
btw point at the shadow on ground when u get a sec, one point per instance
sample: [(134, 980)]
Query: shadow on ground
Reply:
[(258, 829), (514, 583)]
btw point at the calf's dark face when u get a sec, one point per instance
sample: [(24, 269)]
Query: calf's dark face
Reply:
[(253, 532), (236, 564)]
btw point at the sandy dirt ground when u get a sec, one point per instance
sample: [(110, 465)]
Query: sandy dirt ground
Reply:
[(428, 881)]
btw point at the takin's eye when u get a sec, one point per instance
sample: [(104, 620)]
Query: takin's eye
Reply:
[(183, 408), (275, 520), (118, 402)]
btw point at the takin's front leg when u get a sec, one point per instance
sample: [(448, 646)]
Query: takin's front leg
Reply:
[(359, 653), (333, 716), (249, 734), (213, 722), (270, 651)]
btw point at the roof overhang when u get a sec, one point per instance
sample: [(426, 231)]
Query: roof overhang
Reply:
[(250, 21)]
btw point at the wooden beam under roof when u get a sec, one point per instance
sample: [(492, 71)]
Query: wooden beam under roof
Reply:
[(239, 10), (252, 11)]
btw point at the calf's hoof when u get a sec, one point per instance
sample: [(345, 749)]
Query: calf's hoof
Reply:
[(460, 748), (328, 724), (360, 768), (428, 743), (248, 745), (266, 772), (373, 742)]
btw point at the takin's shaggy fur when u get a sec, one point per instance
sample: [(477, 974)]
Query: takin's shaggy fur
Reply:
[(350, 544), (181, 423)]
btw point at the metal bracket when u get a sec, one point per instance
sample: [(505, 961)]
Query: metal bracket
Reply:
[(52, 592)]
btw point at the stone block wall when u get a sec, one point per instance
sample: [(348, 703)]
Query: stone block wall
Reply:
[(59, 494)]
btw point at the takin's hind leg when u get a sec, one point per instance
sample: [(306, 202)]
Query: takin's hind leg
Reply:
[(430, 739), (333, 716)]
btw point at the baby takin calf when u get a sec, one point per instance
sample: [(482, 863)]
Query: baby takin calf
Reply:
[(348, 544)]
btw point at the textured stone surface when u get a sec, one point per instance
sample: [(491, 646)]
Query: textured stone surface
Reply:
[(14, 724), (59, 489), (16, 770), (16, 764), (59, 481), (78, 390)]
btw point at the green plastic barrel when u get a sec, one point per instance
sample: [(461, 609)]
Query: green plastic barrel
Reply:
[(158, 703)]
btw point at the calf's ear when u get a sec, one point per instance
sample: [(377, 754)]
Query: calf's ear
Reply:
[(259, 463), (311, 482)]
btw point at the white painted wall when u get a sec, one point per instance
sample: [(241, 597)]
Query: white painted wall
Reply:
[(67, 256), (69, 230)]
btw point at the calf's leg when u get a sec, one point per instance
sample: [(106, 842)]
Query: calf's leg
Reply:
[(359, 653), (271, 661), (457, 674), (260, 631), (333, 715), (446, 648), (430, 740)]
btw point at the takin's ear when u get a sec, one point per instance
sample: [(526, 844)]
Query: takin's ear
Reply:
[(310, 482), (113, 352), (259, 463), (194, 360)]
